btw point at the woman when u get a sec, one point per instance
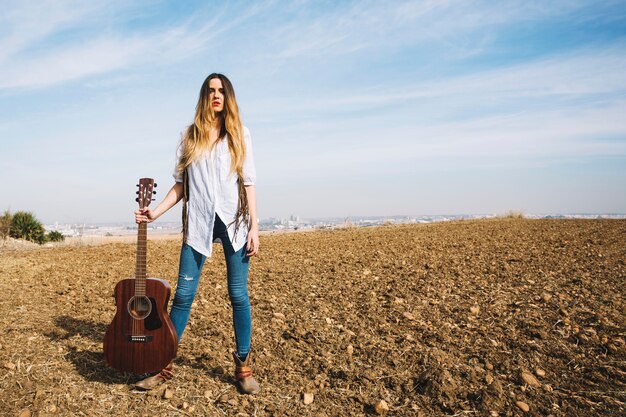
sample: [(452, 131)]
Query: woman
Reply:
[(215, 177)]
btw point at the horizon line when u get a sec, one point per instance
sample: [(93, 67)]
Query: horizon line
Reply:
[(351, 217)]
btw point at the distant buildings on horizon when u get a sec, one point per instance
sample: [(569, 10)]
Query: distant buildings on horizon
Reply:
[(295, 222)]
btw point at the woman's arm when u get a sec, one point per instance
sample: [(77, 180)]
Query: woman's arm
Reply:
[(173, 196), (253, 233)]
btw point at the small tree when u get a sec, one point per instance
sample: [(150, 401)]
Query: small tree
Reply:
[(24, 225), (55, 236), (5, 224), (513, 214)]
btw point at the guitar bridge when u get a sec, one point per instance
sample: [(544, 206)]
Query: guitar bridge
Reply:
[(139, 339)]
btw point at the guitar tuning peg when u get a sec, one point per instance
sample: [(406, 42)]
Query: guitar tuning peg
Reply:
[(136, 185), (137, 199), (154, 199), (155, 185), (136, 192), (153, 192)]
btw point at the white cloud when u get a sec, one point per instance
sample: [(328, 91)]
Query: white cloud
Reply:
[(463, 28), (95, 57), (25, 23), (577, 75), (25, 65), (309, 32), (521, 140)]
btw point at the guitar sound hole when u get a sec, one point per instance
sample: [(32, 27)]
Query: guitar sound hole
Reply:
[(139, 307)]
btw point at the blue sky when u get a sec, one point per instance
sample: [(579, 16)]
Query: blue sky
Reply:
[(355, 107)]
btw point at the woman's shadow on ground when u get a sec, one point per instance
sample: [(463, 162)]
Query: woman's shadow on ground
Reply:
[(90, 364)]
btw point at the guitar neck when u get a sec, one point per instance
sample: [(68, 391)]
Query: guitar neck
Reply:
[(140, 268)]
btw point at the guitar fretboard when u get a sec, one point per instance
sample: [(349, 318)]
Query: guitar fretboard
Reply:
[(140, 268)]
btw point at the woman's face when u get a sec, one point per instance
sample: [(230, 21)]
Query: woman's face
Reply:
[(216, 95)]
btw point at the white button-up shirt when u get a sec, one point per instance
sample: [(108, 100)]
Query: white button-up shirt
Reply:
[(213, 190)]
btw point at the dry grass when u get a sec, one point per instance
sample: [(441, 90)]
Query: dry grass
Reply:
[(512, 214)]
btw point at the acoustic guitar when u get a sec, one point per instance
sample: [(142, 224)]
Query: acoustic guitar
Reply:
[(141, 338)]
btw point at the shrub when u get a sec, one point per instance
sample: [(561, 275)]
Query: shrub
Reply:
[(5, 224), (24, 225), (54, 236), (512, 214)]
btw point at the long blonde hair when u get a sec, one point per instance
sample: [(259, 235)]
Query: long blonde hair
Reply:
[(196, 136), (196, 141)]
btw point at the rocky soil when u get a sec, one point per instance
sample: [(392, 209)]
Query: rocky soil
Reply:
[(504, 317)]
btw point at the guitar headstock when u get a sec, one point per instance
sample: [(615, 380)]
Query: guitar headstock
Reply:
[(146, 191)]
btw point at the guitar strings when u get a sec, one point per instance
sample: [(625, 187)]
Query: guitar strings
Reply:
[(145, 193)]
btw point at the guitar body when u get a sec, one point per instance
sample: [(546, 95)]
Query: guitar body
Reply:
[(141, 345), (141, 338)]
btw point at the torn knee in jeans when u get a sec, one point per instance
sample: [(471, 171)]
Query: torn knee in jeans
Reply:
[(186, 277)]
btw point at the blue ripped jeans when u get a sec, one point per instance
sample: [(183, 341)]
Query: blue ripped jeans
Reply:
[(237, 264)]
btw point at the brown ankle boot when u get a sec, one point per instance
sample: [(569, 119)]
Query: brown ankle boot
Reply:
[(157, 379), (243, 375)]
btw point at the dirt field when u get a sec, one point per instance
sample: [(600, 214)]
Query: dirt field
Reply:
[(486, 317)]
